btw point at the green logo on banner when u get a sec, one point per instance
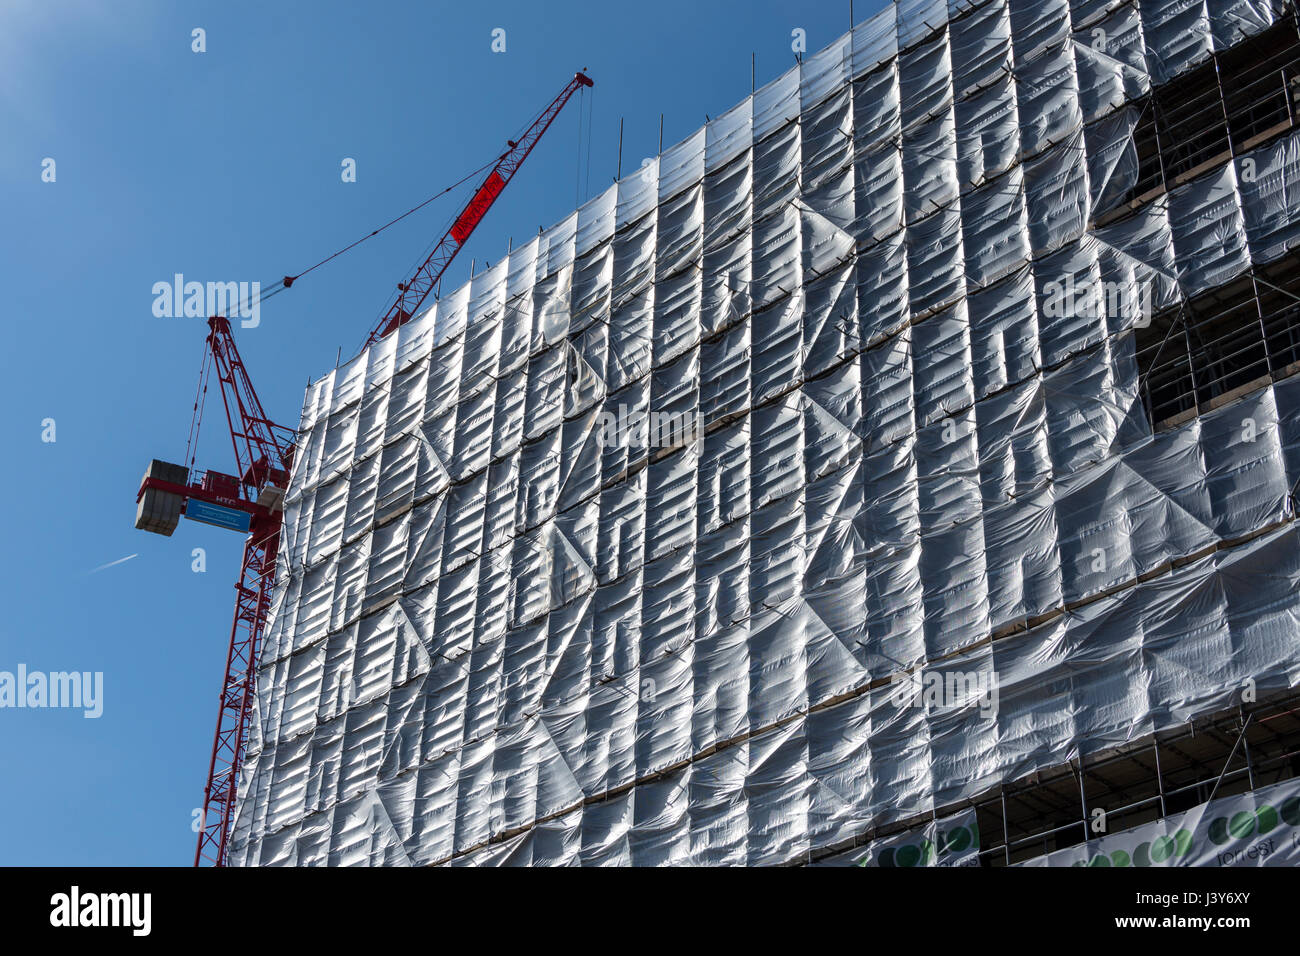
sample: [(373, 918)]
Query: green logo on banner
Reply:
[(958, 839), (1244, 823), (1156, 852)]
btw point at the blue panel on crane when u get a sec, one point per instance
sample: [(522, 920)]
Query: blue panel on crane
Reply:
[(222, 517)]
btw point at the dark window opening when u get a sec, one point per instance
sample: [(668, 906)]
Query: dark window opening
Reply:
[(1235, 101), (1222, 343)]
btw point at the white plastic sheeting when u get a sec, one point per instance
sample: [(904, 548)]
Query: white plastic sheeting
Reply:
[(502, 637)]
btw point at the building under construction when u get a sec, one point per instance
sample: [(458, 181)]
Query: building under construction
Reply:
[(898, 470)]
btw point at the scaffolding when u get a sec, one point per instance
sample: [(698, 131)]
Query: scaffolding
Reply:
[(1154, 778), (974, 333)]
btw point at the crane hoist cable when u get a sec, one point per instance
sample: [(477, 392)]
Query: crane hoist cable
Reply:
[(276, 286)]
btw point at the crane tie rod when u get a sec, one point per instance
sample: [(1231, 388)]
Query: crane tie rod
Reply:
[(280, 285)]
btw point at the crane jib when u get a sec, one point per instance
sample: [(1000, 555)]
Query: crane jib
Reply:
[(411, 294), (477, 208)]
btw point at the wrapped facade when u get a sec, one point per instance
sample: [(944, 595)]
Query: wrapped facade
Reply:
[(619, 553)]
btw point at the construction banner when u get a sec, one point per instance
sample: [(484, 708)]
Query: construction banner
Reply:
[(1259, 828)]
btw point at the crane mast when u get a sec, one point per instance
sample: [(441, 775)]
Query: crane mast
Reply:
[(264, 454), (251, 500)]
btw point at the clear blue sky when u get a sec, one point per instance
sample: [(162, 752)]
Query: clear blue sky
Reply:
[(225, 165)]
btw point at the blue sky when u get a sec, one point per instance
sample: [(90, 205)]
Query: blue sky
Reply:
[(225, 166)]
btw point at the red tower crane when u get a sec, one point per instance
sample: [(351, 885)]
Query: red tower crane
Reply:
[(251, 500)]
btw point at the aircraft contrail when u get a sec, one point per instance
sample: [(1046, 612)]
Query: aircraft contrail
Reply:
[(111, 563)]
